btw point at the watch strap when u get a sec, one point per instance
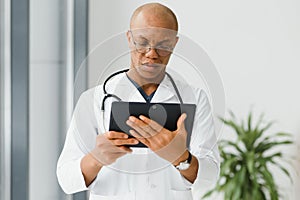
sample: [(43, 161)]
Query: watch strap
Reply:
[(189, 158)]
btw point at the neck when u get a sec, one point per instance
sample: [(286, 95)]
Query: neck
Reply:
[(148, 85), (149, 88)]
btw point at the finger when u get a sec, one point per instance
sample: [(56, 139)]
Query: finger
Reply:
[(143, 129), (142, 124), (115, 135), (139, 137), (119, 142), (135, 134), (153, 124), (180, 121), (126, 149)]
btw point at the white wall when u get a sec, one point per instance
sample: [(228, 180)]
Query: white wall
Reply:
[(255, 46)]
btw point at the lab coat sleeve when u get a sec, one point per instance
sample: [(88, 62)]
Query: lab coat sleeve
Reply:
[(79, 141), (204, 147)]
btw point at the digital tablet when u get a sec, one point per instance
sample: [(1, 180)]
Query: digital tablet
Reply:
[(166, 114)]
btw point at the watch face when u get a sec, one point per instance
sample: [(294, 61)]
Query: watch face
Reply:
[(183, 166)]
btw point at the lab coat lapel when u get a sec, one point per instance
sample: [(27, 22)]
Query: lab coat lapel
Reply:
[(127, 91), (165, 92)]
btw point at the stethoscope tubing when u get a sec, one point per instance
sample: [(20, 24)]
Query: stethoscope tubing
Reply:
[(108, 95)]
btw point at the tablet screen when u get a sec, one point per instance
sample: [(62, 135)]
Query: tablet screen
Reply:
[(166, 114)]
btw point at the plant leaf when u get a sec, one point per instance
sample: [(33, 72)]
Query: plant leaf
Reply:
[(209, 193), (266, 145), (232, 115), (283, 169), (272, 189), (234, 145), (249, 121), (280, 134), (233, 125), (244, 173)]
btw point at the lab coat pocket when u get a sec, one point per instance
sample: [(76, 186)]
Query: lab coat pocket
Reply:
[(181, 194), (127, 196)]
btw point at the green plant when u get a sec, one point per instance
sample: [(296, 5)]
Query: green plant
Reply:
[(245, 168)]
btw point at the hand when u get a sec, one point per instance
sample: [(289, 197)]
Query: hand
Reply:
[(169, 145), (110, 147)]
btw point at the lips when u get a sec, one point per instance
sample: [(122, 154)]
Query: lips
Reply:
[(151, 64), (150, 67)]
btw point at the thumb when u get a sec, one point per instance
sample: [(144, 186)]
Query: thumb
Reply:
[(180, 121)]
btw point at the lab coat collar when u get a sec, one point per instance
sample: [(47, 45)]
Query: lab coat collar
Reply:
[(125, 89), (164, 92)]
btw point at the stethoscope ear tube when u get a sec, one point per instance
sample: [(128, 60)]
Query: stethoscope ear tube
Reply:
[(112, 75), (175, 88), (107, 95)]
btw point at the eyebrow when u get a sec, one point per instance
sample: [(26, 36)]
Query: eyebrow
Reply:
[(160, 42), (163, 41)]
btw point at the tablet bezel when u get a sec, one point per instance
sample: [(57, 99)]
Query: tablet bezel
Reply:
[(120, 112)]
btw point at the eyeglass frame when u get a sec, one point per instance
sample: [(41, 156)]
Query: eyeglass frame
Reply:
[(148, 47)]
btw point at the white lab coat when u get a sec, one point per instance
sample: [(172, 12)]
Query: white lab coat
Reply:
[(142, 174)]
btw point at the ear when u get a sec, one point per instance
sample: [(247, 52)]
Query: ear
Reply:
[(177, 38), (128, 35), (129, 39)]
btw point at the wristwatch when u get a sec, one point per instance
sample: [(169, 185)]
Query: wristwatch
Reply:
[(185, 164)]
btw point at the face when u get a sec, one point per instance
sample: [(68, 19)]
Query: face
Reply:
[(151, 43)]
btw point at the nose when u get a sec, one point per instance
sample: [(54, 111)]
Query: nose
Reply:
[(152, 53)]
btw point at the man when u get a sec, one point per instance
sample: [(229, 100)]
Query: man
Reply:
[(99, 160)]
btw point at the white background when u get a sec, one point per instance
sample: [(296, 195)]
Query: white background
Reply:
[(255, 46)]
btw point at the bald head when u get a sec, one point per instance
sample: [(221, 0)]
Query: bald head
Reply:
[(153, 15)]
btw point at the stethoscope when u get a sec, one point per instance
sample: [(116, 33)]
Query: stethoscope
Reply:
[(109, 95)]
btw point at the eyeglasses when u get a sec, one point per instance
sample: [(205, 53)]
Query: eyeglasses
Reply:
[(145, 47)]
